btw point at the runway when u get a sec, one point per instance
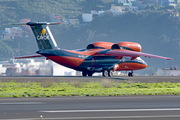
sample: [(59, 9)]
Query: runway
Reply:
[(91, 108), (87, 108), (140, 79)]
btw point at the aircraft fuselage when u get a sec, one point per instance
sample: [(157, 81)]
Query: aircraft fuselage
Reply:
[(92, 60)]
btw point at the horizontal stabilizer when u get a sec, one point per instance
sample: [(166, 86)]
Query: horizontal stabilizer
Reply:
[(29, 56), (37, 23), (42, 33)]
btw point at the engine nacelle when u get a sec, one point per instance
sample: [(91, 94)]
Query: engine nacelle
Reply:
[(127, 46), (100, 45)]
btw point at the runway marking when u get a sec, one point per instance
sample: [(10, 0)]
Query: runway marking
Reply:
[(112, 110), (21, 103), (104, 117)]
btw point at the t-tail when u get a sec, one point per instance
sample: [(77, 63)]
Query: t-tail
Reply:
[(42, 34)]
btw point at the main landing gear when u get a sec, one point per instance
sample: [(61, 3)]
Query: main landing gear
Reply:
[(85, 73), (130, 74), (107, 73)]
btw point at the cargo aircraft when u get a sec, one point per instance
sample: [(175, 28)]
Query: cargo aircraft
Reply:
[(105, 57)]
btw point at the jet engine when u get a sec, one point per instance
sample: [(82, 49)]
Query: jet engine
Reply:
[(127, 46), (100, 45)]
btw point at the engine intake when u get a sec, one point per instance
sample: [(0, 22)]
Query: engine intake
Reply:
[(127, 46), (100, 45)]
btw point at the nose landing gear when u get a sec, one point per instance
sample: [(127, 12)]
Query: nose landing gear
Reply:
[(130, 74)]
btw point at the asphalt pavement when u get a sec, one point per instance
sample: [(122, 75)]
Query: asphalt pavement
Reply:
[(95, 108), (141, 79)]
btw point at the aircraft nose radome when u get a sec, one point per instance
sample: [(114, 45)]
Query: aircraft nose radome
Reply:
[(144, 66)]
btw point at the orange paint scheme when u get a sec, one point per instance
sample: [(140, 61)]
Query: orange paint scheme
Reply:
[(130, 66), (106, 45), (88, 52), (131, 45), (94, 50), (67, 61)]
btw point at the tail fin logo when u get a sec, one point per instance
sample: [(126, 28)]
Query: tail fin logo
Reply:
[(43, 31), (43, 36)]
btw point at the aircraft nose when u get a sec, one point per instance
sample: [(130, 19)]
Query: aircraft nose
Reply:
[(143, 63), (144, 66)]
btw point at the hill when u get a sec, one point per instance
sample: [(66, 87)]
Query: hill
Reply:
[(37, 10), (156, 30)]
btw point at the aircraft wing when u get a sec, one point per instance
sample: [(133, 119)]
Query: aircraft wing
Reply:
[(133, 54), (29, 56)]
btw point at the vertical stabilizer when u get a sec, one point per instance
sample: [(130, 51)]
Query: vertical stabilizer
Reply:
[(42, 34)]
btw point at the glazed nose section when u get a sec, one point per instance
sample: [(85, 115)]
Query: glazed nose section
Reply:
[(144, 64)]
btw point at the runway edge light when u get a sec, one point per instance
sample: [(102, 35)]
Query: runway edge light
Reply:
[(41, 117)]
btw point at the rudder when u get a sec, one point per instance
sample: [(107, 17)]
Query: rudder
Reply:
[(42, 35)]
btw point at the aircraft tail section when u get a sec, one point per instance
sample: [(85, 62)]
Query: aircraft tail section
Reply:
[(43, 35)]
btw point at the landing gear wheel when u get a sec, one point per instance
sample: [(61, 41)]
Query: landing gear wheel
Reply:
[(90, 74), (110, 73), (105, 73), (130, 74), (84, 73)]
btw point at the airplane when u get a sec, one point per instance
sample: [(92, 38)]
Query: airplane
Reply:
[(104, 57)]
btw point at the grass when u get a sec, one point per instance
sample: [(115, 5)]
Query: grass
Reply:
[(104, 87)]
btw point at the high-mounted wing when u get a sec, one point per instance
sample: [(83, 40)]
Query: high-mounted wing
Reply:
[(29, 56), (133, 54)]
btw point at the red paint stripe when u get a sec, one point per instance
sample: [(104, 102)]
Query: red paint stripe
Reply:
[(130, 66), (67, 61)]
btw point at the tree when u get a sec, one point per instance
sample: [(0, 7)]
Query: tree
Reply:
[(147, 6), (152, 7), (6, 51)]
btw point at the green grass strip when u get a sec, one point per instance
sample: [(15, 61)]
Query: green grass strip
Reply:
[(102, 88)]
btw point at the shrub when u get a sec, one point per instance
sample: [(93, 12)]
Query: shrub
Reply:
[(15, 96)]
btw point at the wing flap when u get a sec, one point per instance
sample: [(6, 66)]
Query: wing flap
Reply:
[(128, 53), (29, 56)]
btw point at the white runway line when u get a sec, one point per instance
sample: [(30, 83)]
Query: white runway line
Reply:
[(112, 110), (107, 117), (21, 103)]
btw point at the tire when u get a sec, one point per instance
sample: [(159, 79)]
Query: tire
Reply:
[(84, 73), (130, 74), (110, 73), (90, 74), (105, 73)]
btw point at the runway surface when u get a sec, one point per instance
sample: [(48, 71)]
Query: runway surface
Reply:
[(144, 79), (95, 108)]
